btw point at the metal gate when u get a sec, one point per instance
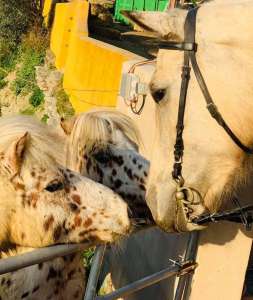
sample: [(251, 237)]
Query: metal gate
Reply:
[(183, 268)]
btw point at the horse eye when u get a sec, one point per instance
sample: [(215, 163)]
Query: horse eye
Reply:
[(54, 186), (102, 157), (158, 95)]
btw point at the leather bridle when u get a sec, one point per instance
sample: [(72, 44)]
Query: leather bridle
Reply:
[(189, 47)]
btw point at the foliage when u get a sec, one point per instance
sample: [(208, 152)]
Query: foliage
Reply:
[(31, 54), (29, 111), (87, 259), (37, 97), (16, 16), (63, 105), (3, 83), (44, 118)]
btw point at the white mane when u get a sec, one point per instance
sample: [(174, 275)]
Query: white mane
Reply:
[(99, 128), (44, 144)]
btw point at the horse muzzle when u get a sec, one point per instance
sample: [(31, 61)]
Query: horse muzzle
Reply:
[(189, 205)]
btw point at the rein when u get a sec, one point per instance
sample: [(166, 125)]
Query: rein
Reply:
[(185, 196)]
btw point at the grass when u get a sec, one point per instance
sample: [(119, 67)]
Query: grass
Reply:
[(28, 111)]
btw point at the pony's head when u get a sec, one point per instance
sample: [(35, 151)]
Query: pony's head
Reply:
[(213, 165), (103, 145), (42, 202)]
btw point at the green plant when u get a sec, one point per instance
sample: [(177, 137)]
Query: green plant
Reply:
[(32, 52), (16, 17), (63, 105), (37, 97), (87, 259), (44, 118), (29, 111), (3, 83)]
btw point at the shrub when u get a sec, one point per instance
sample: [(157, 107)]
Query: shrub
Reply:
[(16, 18), (31, 54), (37, 97)]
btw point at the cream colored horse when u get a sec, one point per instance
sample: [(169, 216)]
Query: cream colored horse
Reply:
[(43, 203), (212, 164)]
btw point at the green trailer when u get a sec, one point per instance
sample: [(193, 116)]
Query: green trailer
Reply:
[(143, 5)]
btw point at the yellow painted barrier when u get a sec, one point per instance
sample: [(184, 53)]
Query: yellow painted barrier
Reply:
[(92, 69), (92, 73), (70, 21)]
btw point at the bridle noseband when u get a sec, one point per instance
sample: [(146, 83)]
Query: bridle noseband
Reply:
[(189, 47)]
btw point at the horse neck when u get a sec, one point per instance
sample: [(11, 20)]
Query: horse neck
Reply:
[(42, 280)]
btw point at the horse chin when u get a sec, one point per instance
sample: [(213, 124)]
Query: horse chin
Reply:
[(184, 215)]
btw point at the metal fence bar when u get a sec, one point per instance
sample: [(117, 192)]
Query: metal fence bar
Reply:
[(38, 256), (183, 287), (142, 283), (91, 288)]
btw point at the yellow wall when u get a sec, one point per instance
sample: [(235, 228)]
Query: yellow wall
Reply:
[(92, 74), (92, 69)]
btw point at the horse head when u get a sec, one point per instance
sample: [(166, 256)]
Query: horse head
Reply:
[(44, 203), (103, 145), (213, 165)]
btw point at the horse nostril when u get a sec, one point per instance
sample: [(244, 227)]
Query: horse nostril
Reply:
[(158, 95)]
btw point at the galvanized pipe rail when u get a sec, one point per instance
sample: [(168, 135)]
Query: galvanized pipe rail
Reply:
[(142, 283), (183, 268), (37, 256)]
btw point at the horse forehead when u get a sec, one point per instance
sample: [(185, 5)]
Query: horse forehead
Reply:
[(168, 68)]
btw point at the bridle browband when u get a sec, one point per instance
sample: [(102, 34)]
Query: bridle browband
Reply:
[(189, 47)]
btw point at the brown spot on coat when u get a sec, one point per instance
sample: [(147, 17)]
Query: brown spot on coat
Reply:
[(87, 222), (70, 274), (19, 186), (57, 233), (76, 198), (142, 187), (78, 221), (51, 273), (117, 184), (8, 282), (25, 295), (73, 207), (49, 222), (35, 289)]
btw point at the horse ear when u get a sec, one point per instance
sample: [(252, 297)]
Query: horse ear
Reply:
[(168, 25), (13, 157), (67, 125)]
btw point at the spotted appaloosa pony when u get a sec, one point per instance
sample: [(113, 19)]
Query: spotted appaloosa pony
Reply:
[(213, 164), (103, 145), (43, 203)]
